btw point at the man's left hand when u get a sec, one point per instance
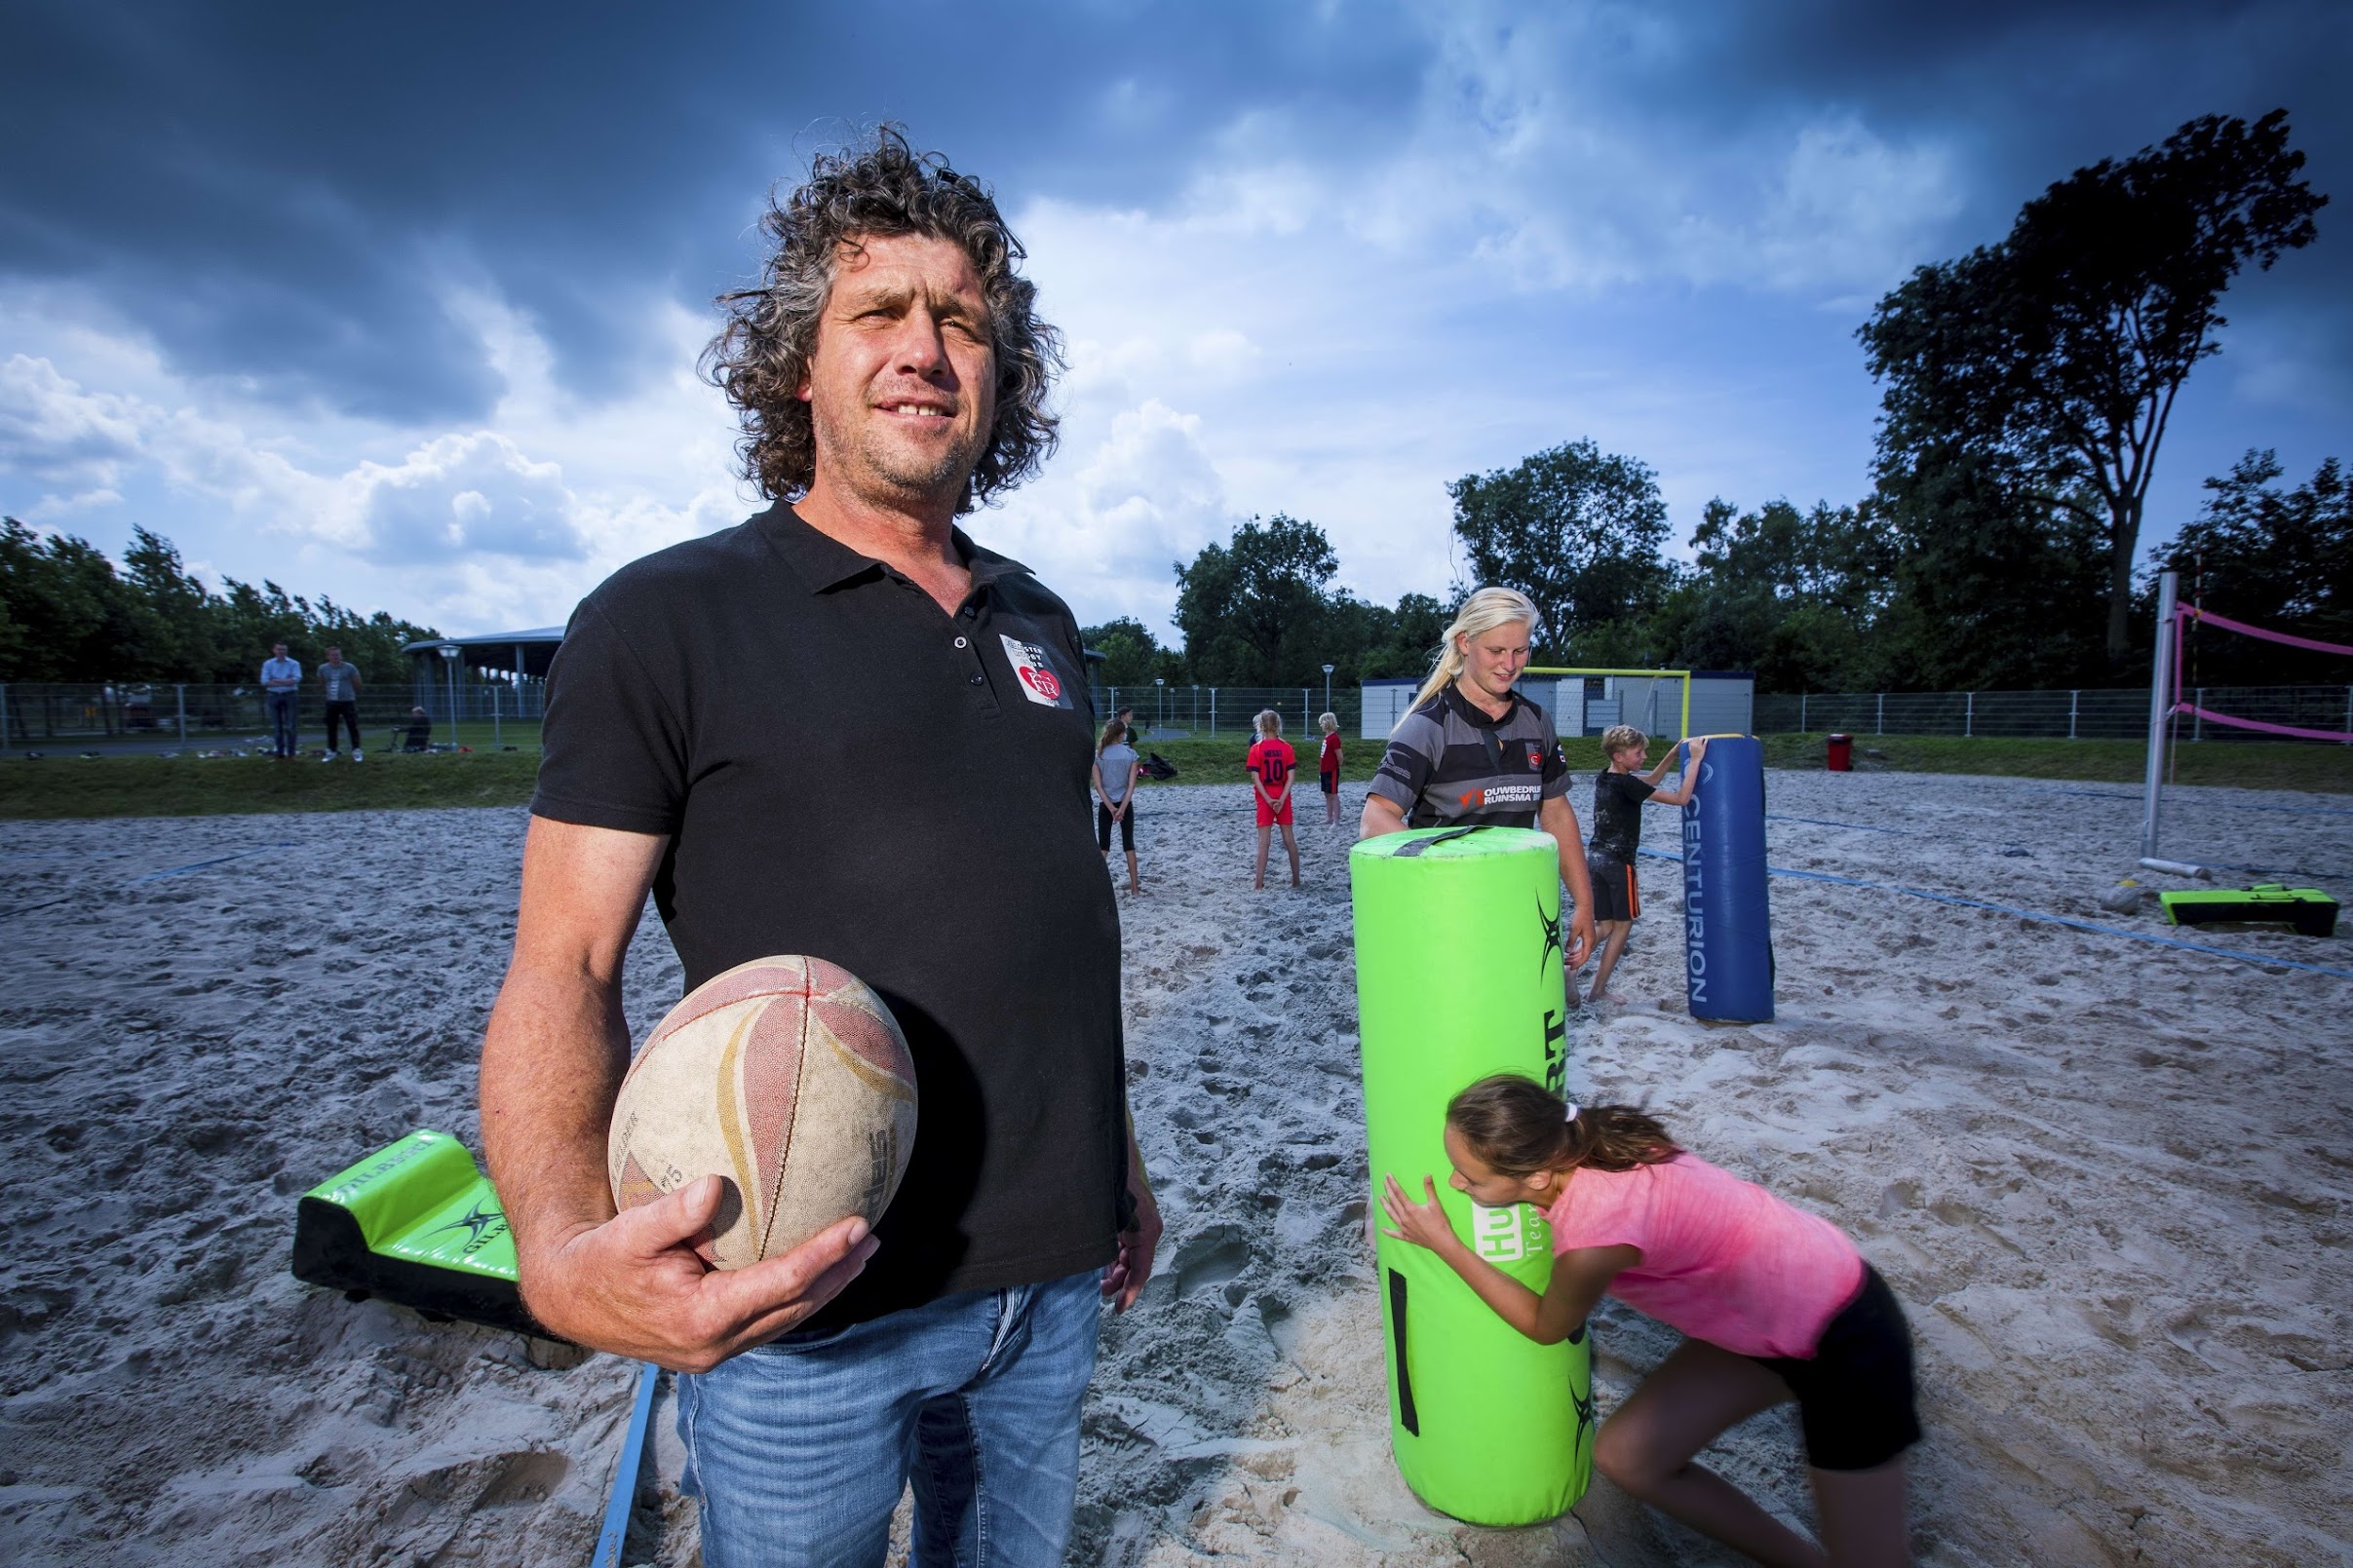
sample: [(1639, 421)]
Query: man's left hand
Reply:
[(1580, 939), (1129, 1271)]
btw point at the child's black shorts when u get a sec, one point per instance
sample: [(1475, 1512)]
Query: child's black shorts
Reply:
[(1855, 1393), (1615, 894), (1329, 778)]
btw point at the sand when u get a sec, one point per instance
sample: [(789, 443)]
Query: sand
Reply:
[(2107, 1177)]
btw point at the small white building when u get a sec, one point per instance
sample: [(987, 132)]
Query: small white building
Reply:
[(1722, 703)]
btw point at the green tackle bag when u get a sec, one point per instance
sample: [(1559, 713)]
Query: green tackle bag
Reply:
[(1458, 974)]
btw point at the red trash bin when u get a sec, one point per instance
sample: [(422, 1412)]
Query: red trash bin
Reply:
[(1842, 753)]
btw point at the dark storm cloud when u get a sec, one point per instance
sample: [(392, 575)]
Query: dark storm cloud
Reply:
[(283, 193)]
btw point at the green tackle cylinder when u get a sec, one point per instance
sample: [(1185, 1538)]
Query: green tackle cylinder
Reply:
[(1458, 974)]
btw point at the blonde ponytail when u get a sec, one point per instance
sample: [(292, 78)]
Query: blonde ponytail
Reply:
[(1484, 611)]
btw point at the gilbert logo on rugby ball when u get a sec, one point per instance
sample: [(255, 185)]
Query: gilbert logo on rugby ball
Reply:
[(1034, 670), (788, 1078)]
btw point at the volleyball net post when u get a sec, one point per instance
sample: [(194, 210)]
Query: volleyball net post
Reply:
[(2165, 704), (1682, 726)]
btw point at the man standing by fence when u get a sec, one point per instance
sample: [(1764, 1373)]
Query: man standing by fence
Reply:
[(341, 684), (282, 689)]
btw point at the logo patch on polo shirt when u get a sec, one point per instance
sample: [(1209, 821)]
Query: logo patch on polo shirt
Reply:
[(1035, 671), (1535, 758)]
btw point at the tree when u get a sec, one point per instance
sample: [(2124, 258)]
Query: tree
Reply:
[(1132, 655), (67, 615), (1252, 610), (1791, 595), (2277, 558), (2048, 363), (1576, 529)]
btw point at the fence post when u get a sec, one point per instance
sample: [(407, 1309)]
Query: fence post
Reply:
[(1213, 711), (495, 736), (2197, 722), (2348, 718), (1880, 726), (2074, 697), (179, 703), (1801, 724), (1969, 716), (4, 711), (1306, 715)]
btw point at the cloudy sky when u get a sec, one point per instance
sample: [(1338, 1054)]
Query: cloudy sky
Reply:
[(401, 304)]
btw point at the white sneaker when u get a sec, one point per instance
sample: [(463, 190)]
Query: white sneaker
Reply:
[(358, 755), (330, 757)]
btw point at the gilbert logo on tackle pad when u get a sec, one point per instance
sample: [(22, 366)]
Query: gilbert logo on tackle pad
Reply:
[(1035, 671)]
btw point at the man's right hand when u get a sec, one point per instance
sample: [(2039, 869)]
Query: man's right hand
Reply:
[(636, 1286)]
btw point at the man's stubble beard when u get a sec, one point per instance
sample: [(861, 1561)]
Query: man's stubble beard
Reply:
[(880, 469)]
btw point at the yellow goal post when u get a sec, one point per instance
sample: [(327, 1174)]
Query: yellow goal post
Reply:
[(1649, 696)]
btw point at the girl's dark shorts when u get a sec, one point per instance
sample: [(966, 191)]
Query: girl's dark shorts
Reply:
[(1102, 828), (1855, 1393), (1329, 778)]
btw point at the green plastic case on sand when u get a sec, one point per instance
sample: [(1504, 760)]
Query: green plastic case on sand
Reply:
[(1458, 974), (417, 1223)]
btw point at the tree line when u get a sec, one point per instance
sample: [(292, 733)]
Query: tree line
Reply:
[(2025, 392), (69, 614)]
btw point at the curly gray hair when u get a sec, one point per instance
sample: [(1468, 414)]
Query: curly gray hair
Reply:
[(884, 190)]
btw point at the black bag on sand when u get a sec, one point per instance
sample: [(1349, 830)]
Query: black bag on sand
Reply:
[(1158, 766)]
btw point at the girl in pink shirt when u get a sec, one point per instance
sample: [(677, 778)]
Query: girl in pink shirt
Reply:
[(1773, 1303)]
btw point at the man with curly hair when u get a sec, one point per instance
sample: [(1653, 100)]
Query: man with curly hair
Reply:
[(730, 727)]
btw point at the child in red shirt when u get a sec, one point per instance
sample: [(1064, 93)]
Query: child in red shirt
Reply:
[(1270, 766), (1327, 768)]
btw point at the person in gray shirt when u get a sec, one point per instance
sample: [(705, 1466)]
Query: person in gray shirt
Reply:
[(341, 683), (282, 690), (1115, 768)]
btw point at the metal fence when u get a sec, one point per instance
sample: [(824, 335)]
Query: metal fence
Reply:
[(2088, 715), (1172, 711), (155, 716)]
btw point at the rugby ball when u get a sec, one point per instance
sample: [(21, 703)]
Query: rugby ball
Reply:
[(784, 1076)]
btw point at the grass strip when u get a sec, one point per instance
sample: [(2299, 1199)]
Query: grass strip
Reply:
[(198, 787)]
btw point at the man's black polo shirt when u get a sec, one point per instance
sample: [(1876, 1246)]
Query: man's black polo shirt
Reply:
[(846, 770)]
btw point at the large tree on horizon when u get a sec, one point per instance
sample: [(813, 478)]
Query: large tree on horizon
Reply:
[(1578, 530), (2047, 364)]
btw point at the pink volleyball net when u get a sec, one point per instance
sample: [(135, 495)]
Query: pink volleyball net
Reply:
[(2185, 616)]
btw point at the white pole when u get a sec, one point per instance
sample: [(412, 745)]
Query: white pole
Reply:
[(1213, 710), (4, 711), (1969, 716), (2160, 704), (494, 735), (2074, 700), (1881, 726), (1801, 724), (2197, 721)]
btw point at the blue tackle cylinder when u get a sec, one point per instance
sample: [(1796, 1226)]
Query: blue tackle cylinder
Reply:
[(1727, 908)]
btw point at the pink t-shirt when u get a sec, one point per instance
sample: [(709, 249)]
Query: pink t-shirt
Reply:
[(1723, 1260)]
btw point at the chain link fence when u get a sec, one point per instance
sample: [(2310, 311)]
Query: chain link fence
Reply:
[(1174, 712), (2115, 714), (154, 716)]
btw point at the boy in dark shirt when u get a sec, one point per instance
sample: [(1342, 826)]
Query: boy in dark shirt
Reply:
[(1618, 793)]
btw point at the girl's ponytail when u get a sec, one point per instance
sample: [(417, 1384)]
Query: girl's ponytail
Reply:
[(1518, 1127)]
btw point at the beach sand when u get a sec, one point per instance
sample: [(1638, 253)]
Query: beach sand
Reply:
[(2107, 1177)]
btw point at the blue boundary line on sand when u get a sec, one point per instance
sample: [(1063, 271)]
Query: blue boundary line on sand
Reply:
[(2069, 921), (624, 1496), (218, 859), (1860, 828), (2117, 794)]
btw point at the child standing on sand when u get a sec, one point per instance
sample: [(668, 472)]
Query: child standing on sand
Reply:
[(1773, 1303), (1270, 766), (1327, 768), (1618, 794)]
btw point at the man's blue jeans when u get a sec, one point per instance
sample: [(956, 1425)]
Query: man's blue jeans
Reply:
[(282, 722), (799, 1448)]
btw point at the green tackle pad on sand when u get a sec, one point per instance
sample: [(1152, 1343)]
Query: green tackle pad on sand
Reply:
[(2312, 912), (418, 1224)]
